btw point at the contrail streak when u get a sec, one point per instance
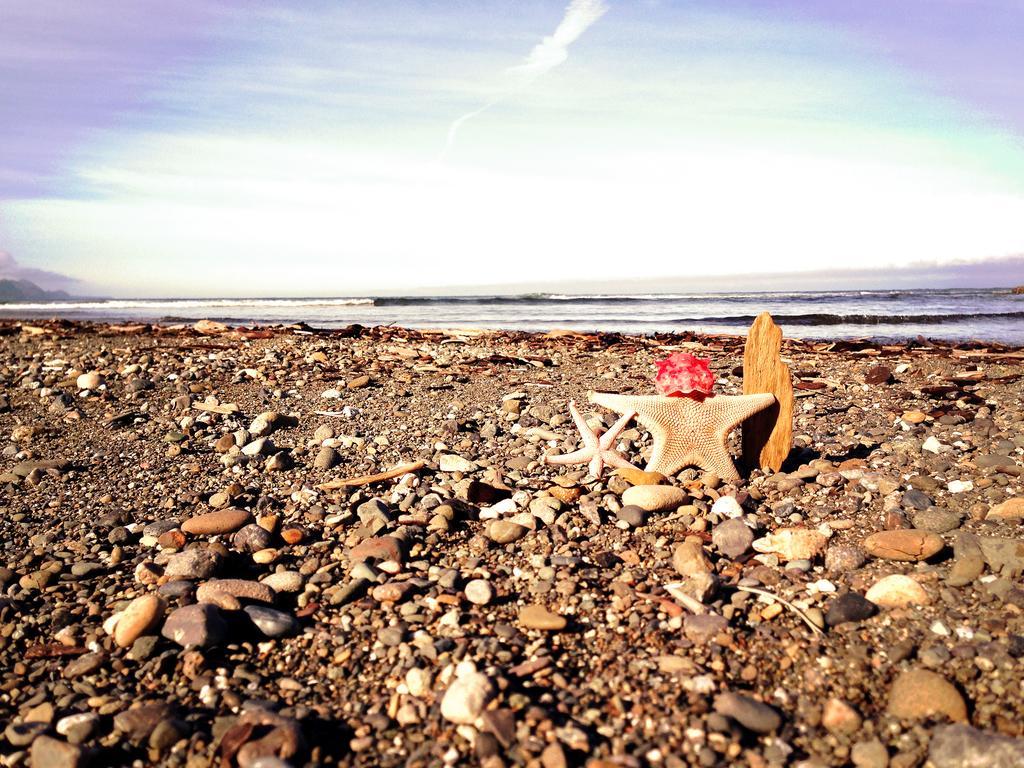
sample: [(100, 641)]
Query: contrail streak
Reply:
[(545, 56)]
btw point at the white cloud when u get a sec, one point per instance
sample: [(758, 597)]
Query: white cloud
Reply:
[(545, 56)]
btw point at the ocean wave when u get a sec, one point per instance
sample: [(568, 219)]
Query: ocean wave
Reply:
[(179, 304), (856, 319)]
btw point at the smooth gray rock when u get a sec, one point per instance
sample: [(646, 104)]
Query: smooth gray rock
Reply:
[(750, 713), (961, 746)]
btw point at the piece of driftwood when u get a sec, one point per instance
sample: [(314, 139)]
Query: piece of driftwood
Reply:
[(225, 409), (349, 482), (768, 435)]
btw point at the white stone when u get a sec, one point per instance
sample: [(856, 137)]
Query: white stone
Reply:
[(417, 681), (727, 506), (479, 591), (932, 445), (897, 591), (959, 486), (451, 462), (255, 448), (466, 697), (90, 380)]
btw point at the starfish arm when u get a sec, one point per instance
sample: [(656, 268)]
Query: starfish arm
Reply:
[(742, 407), (589, 438), (608, 438), (615, 460), (576, 457), (596, 464)]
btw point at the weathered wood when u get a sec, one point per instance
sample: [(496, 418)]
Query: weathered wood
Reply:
[(768, 435), (367, 479), (224, 409)]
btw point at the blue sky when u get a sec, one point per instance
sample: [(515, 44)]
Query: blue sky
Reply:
[(211, 148)]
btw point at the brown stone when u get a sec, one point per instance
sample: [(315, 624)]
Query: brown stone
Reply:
[(141, 615), (919, 693), (1011, 509), (635, 476), (566, 495), (914, 417), (238, 588), (539, 617), (904, 544), (358, 382), (219, 521), (768, 435)]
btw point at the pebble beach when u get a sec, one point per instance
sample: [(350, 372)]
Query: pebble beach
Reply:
[(202, 564)]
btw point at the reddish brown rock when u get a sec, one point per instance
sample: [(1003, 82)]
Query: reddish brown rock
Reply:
[(377, 548), (905, 544), (216, 522)]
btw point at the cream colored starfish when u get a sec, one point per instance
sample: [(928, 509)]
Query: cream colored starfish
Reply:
[(597, 449), (686, 431)]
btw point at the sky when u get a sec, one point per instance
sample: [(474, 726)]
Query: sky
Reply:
[(216, 148)]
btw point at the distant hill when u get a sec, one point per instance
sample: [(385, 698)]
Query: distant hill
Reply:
[(26, 290)]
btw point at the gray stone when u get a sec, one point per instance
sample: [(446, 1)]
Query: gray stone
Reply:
[(994, 461), (270, 621), (961, 746), (916, 499), (631, 515), (54, 753), (702, 628), (844, 558), (195, 625), (375, 514), (85, 664), (326, 458), (936, 519), (968, 560), (869, 754), (732, 538), (137, 723), (251, 538), (750, 713), (192, 564), (1004, 556)]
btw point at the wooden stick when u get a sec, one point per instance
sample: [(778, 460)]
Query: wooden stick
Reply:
[(692, 604), (222, 409), (817, 630), (348, 482)]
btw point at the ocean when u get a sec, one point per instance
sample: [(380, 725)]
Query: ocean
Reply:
[(958, 314)]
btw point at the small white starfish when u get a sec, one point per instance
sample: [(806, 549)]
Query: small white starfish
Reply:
[(597, 449)]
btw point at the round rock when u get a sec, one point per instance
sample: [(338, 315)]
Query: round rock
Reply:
[(654, 498), (918, 694), (479, 591), (732, 538), (505, 531), (897, 591)]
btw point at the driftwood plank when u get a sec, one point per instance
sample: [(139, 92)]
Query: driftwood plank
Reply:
[(768, 435), (368, 479)]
